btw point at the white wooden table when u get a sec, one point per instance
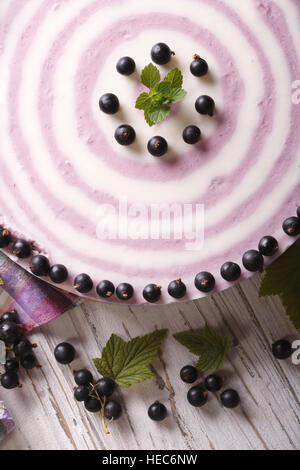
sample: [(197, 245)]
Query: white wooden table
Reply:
[(47, 416)]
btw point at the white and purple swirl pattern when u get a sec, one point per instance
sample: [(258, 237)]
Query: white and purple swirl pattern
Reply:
[(59, 160)]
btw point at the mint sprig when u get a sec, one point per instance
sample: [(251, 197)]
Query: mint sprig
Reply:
[(162, 94)]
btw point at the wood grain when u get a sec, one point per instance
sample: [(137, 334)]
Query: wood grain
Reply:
[(47, 416)]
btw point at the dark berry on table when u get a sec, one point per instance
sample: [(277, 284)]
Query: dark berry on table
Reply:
[(10, 332), (253, 261), (161, 53), (10, 316), (213, 383), (199, 66), (177, 289), (189, 374), (157, 146), (22, 347), (58, 273), (125, 135), (83, 377), (10, 380), (197, 396), (231, 271), (105, 387), (4, 238), (230, 398), (124, 291), (64, 353), (291, 226), (191, 135), (282, 349), (205, 282), (83, 283), (112, 410), (205, 105), (126, 66), (157, 411), (40, 265), (109, 103), (268, 246), (81, 393), (152, 293), (105, 289), (298, 212), (21, 249), (11, 365), (28, 361), (92, 405)]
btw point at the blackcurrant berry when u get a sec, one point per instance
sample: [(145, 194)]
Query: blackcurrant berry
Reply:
[(83, 283), (112, 410), (28, 361), (92, 405), (157, 411), (205, 282), (9, 380), (230, 271), (205, 105), (177, 289), (124, 291), (105, 289), (22, 347), (298, 212), (213, 383), (291, 226), (4, 238), (157, 146), (58, 273), (105, 387), (152, 293), (125, 135), (109, 103), (21, 249), (83, 377), (64, 353), (161, 54), (268, 246), (10, 332), (40, 265), (199, 67), (253, 261), (11, 365), (282, 349), (126, 66), (197, 396), (191, 135), (189, 374), (10, 316), (230, 398), (81, 393)]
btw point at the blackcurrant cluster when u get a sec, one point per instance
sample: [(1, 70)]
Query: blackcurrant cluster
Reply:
[(19, 349), (198, 395)]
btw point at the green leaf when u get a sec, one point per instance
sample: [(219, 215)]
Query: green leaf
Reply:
[(159, 114), (175, 78), (150, 76), (128, 363), (163, 87), (210, 346), (148, 119), (176, 94), (1, 282), (143, 101), (283, 278)]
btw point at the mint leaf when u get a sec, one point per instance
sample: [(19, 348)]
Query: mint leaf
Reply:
[(150, 76), (283, 278), (128, 363), (163, 87), (210, 346), (159, 114), (143, 101), (176, 94), (175, 78), (148, 119)]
